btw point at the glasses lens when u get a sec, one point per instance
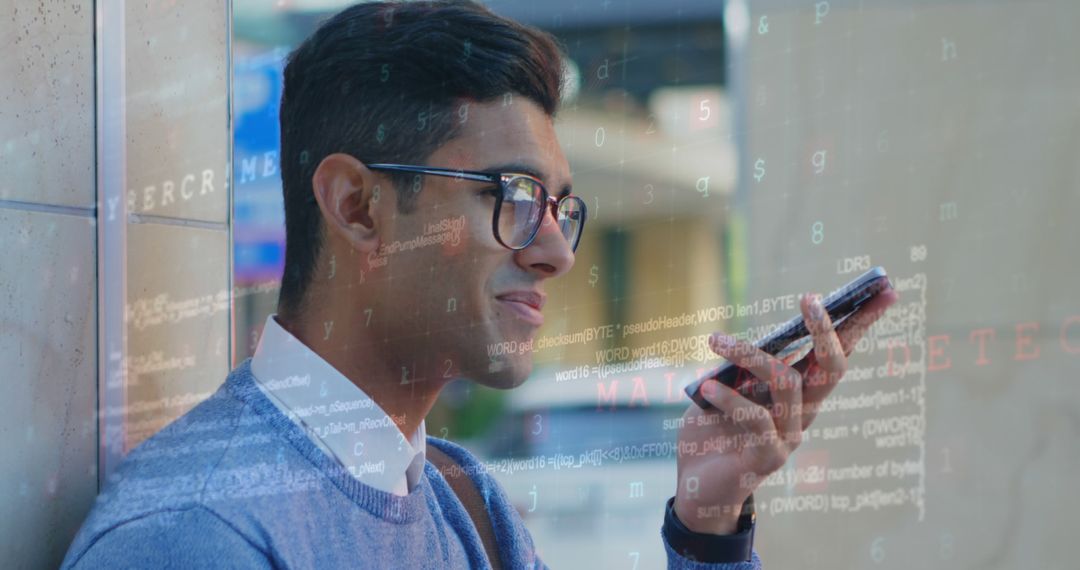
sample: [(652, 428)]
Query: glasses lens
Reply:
[(521, 211), (571, 217)]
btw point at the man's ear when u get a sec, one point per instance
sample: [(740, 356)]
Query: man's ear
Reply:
[(348, 195)]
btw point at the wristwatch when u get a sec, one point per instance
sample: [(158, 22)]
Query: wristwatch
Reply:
[(705, 547)]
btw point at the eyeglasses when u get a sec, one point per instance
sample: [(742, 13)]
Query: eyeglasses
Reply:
[(520, 204)]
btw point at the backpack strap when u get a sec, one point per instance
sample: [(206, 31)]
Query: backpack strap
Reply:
[(466, 491)]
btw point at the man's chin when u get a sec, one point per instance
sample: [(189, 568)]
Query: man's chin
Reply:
[(506, 373)]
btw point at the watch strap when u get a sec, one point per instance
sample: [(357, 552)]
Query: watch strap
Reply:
[(706, 547)]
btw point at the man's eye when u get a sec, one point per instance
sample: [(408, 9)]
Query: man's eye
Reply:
[(494, 191)]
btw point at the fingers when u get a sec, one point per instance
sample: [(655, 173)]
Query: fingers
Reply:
[(747, 356), (785, 383), (828, 350), (823, 368), (751, 419), (795, 398), (819, 378), (855, 326)]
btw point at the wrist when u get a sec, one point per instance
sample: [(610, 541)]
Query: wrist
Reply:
[(705, 547), (720, 518)]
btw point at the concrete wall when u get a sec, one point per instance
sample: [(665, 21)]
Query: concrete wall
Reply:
[(939, 140), (167, 158)]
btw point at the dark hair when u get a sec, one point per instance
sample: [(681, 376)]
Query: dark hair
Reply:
[(384, 81)]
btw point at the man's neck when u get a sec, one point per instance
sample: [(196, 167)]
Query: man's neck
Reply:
[(351, 352)]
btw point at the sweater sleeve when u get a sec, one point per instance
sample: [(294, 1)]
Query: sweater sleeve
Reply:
[(188, 538), (677, 561)]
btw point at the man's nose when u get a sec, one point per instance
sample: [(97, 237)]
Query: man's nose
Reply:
[(549, 253)]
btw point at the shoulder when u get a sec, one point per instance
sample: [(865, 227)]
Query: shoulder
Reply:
[(192, 537), (471, 465), (466, 460), (176, 479), (515, 541), (170, 468)]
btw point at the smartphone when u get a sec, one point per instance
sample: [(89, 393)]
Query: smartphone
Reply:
[(791, 337)]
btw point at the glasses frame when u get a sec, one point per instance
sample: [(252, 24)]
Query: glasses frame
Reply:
[(503, 179)]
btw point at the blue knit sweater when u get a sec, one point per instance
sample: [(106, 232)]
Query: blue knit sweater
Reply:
[(234, 483)]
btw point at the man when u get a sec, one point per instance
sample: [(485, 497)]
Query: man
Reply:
[(428, 202)]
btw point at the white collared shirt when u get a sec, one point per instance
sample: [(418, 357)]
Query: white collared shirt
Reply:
[(336, 414)]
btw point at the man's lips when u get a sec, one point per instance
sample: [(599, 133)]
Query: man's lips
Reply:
[(525, 304)]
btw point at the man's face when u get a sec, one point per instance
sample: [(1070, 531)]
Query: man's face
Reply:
[(455, 299)]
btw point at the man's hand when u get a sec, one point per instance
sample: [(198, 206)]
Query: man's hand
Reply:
[(725, 452)]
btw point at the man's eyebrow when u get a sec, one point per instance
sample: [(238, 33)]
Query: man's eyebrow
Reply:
[(526, 169)]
